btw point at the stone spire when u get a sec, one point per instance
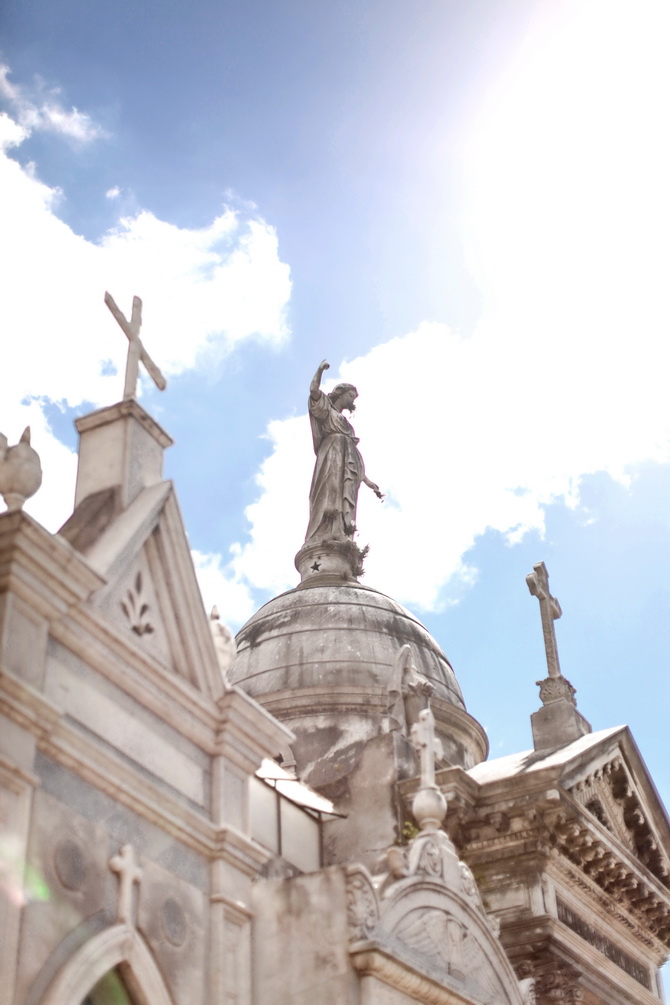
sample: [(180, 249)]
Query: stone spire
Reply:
[(121, 447), (558, 722)]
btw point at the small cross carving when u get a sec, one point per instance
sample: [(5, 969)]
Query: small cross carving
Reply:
[(136, 352), (428, 745), (129, 873), (550, 610)]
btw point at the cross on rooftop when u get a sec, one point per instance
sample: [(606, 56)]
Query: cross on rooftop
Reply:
[(129, 872), (428, 745), (550, 610), (136, 351)]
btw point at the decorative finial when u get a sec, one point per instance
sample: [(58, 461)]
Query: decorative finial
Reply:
[(20, 471), (558, 722), (136, 351), (329, 548), (429, 806), (550, 611), (224, 642), (554, 686)]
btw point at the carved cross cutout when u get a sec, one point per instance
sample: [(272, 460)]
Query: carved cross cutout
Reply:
[(428, 745), (136, 352), (550, 610), (129, 873)]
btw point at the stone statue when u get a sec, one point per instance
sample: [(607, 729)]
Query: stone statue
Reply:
[(20, 471), (339, 468)]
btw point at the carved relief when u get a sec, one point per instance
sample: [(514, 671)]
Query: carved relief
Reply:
[(70, 865), (435, 934), (136, 609), (556, 982), (362, 906)]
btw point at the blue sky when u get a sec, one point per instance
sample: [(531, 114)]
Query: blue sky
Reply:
[(464, 207)]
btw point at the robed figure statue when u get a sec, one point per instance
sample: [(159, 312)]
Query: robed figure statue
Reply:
[(339, 468)]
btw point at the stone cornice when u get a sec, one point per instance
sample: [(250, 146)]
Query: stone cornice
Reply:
[(66, 744), (236, 910), (372, 960), (111, 413), (559, 827), (569, 877), (247, 732), (26, 706), (240, 851), (42, 568)]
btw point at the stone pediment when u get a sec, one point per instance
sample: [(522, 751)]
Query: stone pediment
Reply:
[(614, 786), (151, 593), (590, 808), (432, 923)]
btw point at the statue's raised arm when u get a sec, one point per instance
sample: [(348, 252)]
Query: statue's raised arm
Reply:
[(314, 387), (339, 468)]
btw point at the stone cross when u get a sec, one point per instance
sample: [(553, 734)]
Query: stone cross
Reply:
[(136, 351), (129, 873), (550, 610), (428, 745)]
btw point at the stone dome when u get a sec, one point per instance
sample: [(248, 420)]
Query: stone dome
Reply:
[(323, 657)]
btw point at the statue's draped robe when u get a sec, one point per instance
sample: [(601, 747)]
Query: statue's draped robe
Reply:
[(337, 473)]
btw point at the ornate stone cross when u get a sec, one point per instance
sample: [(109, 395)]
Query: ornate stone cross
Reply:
[(428, 745), (136, 352), (550, 610), (129, 873)]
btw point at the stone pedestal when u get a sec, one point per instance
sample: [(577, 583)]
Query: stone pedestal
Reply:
[(330, 561), (119, 447), (557, 724)]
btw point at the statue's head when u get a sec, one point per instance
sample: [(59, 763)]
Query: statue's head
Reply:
[(347, 391)]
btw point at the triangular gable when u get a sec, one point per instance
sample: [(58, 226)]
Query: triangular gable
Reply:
[(151, 588)]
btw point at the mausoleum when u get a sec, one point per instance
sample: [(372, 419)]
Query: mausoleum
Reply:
[(308, 815)]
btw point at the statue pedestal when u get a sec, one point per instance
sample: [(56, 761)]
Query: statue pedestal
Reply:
[(339, 561)]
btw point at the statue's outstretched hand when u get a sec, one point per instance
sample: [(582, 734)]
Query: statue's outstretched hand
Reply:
[(375, 488), (324, 365)]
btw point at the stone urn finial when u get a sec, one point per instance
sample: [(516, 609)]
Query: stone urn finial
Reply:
[(20, 471), (224, 642)]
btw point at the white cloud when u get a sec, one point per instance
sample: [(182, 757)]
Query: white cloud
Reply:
[(204, 292), (222, 589), (566, 374), (41, 110), (113, 193)]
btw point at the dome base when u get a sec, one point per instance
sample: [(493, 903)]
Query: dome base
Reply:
[(321, 561)]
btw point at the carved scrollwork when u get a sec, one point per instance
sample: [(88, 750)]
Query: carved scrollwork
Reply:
[(553, 688), (362, 905)]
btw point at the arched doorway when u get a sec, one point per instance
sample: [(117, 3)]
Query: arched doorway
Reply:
[(117, 962), (110, 990)]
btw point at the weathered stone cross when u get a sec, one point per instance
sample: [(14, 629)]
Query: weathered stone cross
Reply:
[(428, 745), (550, 610), (129, 873), (136, 351)]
